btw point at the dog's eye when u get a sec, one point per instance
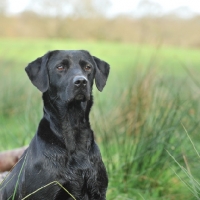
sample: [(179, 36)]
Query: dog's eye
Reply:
[(60, 68), (87, 68)]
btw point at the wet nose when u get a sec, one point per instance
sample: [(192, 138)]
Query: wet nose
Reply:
[(80, 81)]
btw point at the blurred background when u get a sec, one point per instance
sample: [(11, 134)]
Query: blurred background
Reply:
[(139, 21), (146, 120)]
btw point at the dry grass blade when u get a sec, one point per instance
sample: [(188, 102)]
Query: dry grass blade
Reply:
[(54, 182)]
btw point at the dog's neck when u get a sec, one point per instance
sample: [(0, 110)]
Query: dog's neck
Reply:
[(68, 121)]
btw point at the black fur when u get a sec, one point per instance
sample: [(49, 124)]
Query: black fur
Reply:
[(63, 150)]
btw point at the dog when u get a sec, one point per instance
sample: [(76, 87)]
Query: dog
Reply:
[(62, 162)]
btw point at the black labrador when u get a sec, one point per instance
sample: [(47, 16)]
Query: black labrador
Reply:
[(63, 161)]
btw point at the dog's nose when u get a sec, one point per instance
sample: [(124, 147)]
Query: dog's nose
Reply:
[(80, 81)]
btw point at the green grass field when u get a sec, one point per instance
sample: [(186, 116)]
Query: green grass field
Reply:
[(146, 115)]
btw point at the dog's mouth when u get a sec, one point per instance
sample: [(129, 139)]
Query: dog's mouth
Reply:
[(77, 95), (80, 97)]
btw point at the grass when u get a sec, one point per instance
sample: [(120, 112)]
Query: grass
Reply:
[(152, 92), (148, 124), (191, 182)]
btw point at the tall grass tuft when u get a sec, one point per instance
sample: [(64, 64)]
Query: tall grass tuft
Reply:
[(136, 136), (186, 175)]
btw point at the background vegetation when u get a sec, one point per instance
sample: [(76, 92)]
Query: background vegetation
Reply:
[(151, 97), (88, 20), (148, 114)]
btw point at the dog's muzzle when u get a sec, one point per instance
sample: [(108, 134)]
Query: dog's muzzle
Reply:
[(80, 88)]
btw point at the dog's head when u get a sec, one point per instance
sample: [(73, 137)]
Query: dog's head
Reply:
[(69, 75)]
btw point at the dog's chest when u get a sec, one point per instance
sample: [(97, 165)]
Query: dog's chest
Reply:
[(78, 166), (80, 175)]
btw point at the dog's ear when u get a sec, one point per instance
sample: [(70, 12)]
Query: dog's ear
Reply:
[(102, 72), (37, 72)]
